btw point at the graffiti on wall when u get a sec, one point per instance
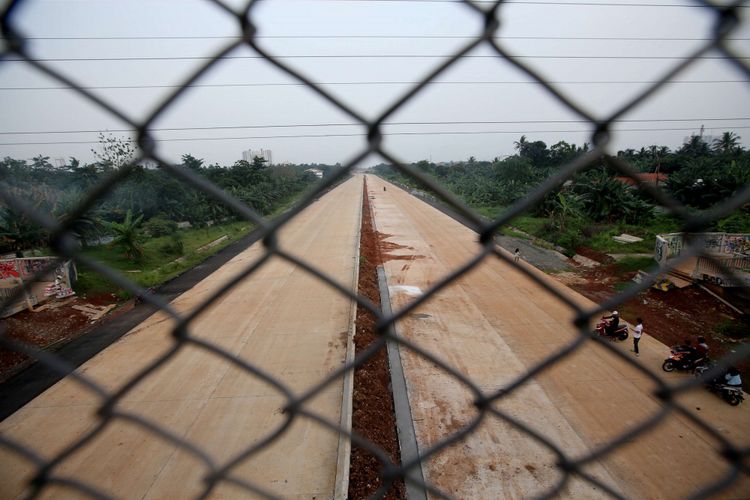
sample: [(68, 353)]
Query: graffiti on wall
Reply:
[(29, 267), (720, 244), (8, 269), (49, 278), (732, 250), (736, 244)]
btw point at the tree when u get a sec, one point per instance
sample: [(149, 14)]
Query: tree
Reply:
[(191, 162), (535, 151), (128, 236), (561, 153), (728, 143), (41, 163), (695, 147), (520, 144), (84, 226), (259, 163), (704, 182), (605, 198), (18, 232), (114, 152)]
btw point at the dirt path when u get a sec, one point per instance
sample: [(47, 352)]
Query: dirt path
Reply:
[(494, 324), (281, 319)]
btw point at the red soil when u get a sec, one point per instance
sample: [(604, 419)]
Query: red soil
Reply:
[(373, 415)]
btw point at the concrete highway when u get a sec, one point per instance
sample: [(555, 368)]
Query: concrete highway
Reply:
[(491, 325), (281, 319), (495, 323)]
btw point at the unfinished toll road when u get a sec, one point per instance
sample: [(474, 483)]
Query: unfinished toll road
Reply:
[(494, 324), (280, 319)]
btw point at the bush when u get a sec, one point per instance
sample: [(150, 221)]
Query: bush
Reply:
[(738, 222), (159, 226), (173, 246), (737, 329)]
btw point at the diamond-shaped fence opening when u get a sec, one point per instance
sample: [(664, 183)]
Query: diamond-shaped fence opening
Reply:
[(225, 466)]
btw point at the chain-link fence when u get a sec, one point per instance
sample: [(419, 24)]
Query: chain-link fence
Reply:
[(726, 19)]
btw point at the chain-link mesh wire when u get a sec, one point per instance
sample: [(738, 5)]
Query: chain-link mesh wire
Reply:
[(726, 20)]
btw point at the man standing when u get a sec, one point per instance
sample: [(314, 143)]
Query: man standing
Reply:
[(637, 332)]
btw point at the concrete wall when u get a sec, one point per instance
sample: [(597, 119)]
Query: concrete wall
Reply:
[(57, 282)]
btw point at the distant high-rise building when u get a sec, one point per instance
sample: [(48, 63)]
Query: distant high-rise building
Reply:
[(250, 155)]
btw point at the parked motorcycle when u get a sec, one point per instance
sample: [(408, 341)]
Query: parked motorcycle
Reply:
[(620, 334), (680, 358)]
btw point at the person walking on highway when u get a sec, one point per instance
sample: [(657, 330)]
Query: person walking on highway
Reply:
[(637, 333)]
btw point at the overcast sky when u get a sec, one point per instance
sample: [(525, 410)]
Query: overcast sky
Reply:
[(599, 54)]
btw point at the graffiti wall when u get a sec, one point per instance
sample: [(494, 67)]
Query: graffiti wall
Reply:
[(57, 280), (732, 250), (719, 244)]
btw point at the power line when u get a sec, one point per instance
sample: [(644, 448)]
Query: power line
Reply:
[(298, 84), (542, 2), (361, 56), (381, 37), (390, 124), (308, 136)]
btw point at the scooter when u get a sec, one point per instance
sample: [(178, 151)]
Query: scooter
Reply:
[(680, 358), (620, 334)]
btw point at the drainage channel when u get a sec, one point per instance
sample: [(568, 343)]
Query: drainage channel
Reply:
[(373, 415)]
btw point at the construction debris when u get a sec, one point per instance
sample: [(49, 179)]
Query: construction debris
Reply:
[(626, 238), (94, 313)]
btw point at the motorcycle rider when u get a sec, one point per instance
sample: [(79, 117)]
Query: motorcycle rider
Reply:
[(732, 377), (612, 323), (700, 353)]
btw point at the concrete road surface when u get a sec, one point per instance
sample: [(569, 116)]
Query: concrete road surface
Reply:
[(280, 319), (492, 325)]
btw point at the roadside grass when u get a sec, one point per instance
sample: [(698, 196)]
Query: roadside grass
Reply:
[(602, 240), (738, 329), (158, 263)]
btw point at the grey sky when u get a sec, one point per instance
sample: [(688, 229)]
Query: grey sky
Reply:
[(524, 108)]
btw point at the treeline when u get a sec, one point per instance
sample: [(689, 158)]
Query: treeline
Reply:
[(699, 175), (148, 195)]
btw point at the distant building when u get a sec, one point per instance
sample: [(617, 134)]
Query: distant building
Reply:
[(316, 172), (250, 155), (652, 179)]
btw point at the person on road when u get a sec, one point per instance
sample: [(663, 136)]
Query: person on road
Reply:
[(732, 377), (637, 332), (516, 255), (612, 322), (701, 350)]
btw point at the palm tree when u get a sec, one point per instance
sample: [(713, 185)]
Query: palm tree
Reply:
[(127, 235), (85, 225), (521, 144), (728, 143), (695, 147)]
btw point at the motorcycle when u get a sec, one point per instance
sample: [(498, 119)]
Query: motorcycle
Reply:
[(620, 334), (732, 394), (681, 358)]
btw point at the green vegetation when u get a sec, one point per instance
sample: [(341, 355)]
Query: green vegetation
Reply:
[(139, 217), (597, 203), (631, 264), (157, 265), (735, 329)]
